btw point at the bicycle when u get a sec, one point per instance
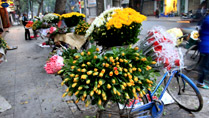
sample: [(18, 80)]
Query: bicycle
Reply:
[(192, 55), (182, 86)]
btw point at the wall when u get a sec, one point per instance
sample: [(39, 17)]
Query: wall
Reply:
[(148, 8), (193, 5)]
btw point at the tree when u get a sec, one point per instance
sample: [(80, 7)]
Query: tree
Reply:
[(40, 2), (100, 6), (60, 6)]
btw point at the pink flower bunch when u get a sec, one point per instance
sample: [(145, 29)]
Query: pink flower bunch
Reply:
[(54, 64), (52, 29)]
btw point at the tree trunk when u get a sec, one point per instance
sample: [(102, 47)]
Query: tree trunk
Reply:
[(39, 7), (60, 6), (100, 6), (31, 8)]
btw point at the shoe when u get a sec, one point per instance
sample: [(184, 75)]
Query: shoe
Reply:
[(202, 86)]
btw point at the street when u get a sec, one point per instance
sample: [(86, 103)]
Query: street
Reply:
[(35, 94)]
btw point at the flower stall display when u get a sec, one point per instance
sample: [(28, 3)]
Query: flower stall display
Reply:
[(160, 45), (117, 75), (81, 28), (3, 47), (73, 18), (116, 27), (51, 18), (3, 43), (54, 64), (37, 25)]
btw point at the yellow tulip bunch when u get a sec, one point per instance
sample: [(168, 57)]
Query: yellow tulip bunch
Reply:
[(115, 76)]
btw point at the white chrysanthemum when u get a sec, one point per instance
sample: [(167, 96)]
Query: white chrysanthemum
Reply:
[(100, 20)]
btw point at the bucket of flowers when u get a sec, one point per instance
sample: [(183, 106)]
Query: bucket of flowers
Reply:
[(81, 28), (116, 75), (116, 27), (73, 18), (51, 18)]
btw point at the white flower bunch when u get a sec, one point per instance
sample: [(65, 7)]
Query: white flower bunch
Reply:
[(49, 17), (100, 20)]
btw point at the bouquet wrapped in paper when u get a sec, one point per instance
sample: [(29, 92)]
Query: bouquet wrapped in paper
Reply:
[(54, 64), (160, 45)]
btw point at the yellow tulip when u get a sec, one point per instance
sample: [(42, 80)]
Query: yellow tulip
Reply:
[(80, 88), (88, 63), (88, 81), (113, 81), (89, 72), (95, 69), (74, 85), (108, 86), (111, 74), (91, 93)]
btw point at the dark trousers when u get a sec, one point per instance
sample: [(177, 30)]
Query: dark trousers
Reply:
[(203, 67), (27, 34)]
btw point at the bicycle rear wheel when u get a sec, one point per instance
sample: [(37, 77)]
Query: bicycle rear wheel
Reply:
[(185, 93), (191, 58)]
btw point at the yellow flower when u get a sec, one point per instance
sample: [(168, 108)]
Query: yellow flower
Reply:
[(107, 65), (89, 72), (83, 76), (95, 69), (101, 74), (111, 74), (74, 61), (136, 79), (91, 93), (67, 90), (100, 102), (123, 54), (83, 70), (136, 48), (77, 101), (100, 82), (97, 49), (82, 53), (74, 85), (95, 73), (78, 69), (125, 70), (148, 68), (64, 95), (103, 71), (113, 81), (83, 65), (88, 81), (122, 87), (88, 53), (75, 79), (153, 62), (80, 88), (144, 59), (138, 89), (134, 69), (108, 86), (95, 57), (76, 93), (72, 75), (116, 72), (139, 70), (72, 67), (121, 60), (116, 58), (88, 63)]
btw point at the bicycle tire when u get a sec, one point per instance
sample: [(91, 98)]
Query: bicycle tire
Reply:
[(191, 63), (132, 114), (189, 85)]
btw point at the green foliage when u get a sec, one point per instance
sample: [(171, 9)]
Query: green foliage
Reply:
[(3, 43), (81, 28)]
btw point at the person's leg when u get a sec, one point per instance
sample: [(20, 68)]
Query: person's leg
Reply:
[(204, 66), (26, 34)]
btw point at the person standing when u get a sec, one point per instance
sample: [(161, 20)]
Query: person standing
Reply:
[(203, 47), (27, 32), (157, 13)]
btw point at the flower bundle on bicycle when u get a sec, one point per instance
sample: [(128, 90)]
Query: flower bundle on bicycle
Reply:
[(160, 45), (117, 75), (116, 27)]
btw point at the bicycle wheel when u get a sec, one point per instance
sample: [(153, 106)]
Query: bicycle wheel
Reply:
[(191, 58), (185, 93), (126, 111)]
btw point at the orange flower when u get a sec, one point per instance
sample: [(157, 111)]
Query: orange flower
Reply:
[(97, 49), (111, 74), (116, 72)]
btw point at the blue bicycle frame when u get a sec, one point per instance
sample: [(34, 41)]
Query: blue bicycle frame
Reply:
[(152, 103)]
